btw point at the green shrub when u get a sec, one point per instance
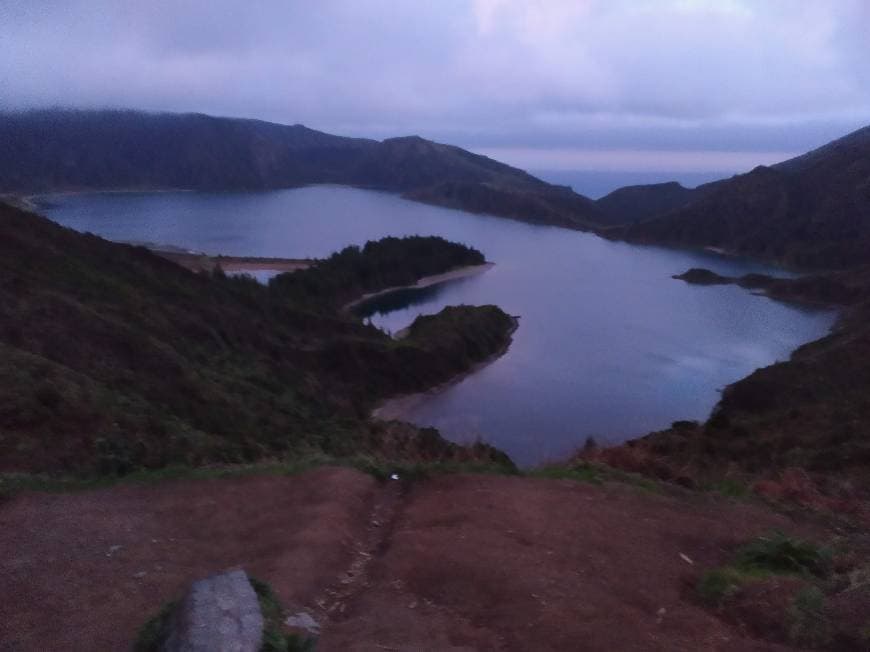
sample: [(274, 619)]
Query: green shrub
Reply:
[(776, 554), (154, 632), (731, 488), (779, 554), (275, 639), (582, 472), (717, 586)]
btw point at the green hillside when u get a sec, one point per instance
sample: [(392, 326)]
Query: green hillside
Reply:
[(115, 359)]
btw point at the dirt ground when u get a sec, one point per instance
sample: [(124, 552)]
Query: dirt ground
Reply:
[(474, 562)]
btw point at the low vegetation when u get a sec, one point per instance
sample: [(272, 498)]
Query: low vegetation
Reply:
[(409, 459), (113, 359), (153, 634), (780, 554), (276, 638), (155, 631), (355, 271), (595, 473), (791, 590), (775, 554), (795, 429)]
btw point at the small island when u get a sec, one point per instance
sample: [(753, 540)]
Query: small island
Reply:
[(829, 289), (702, 276)]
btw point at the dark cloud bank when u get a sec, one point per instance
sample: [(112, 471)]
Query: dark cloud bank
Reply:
[(687, 84)]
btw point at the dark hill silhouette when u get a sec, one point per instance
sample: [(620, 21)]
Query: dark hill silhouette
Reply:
[(637, 203), (62, 150), (812, 211)]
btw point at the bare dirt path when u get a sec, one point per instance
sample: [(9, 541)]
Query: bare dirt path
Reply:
[(457, 563), (83, 571)]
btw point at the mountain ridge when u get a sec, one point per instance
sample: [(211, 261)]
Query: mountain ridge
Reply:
[(637, 203), (72, 150), (811, 211)]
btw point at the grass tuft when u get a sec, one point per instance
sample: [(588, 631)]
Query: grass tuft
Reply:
[(763, 557), (717, 586), (275, 639), (597, 474), (153, 633), (780, 554)]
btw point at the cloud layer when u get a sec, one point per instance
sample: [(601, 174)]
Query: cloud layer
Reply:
[(726, 75)]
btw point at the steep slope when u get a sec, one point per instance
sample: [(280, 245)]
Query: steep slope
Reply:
[(812, 211), (57, 150), (112, 358), (554, 205), (810, 412), (638, 203), (851, 149), (412, 162)]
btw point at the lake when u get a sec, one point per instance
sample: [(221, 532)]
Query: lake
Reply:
[(609, 345)]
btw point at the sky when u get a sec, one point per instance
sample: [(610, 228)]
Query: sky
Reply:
[(609, 85)]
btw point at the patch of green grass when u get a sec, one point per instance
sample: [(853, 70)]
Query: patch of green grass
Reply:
[(380, 468), (717, 586), (590, 473), (596, 474), (275, 639), (730, 488), (780, 554), (154, 632), (766, 556)]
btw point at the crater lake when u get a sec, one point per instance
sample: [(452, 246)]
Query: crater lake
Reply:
[(609, 346)]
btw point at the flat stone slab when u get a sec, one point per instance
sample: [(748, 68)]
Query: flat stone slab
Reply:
[(219, 614)]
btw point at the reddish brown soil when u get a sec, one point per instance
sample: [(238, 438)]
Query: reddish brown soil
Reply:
[(66, 587), (451, 563)]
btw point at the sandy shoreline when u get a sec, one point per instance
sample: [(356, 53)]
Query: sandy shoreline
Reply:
[(46, 196), (398, 407), (197, 262), (192, 260), (424, 282)]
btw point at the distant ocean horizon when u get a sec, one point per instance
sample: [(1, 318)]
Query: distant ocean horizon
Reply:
[(596, 184)]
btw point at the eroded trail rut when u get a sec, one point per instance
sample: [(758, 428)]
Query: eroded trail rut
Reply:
[(334, 602), (453, 563)]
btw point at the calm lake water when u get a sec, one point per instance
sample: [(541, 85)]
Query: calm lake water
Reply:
[(609, 345)]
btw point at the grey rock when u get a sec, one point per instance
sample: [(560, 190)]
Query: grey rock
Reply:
[(219, 614), (304, 622)]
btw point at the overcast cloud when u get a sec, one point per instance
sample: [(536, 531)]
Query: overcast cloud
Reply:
[(590, 79)]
